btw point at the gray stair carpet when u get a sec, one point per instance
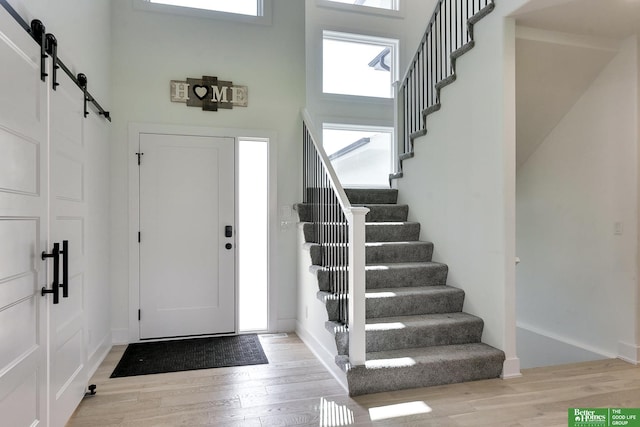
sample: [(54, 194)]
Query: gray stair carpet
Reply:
[(416, 332)]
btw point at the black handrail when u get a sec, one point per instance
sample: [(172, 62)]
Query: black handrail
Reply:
[(448, 35), (48, 45)]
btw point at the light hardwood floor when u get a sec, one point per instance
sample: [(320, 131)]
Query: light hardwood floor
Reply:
[(295, 389)]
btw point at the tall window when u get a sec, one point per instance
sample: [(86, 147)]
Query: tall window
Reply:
[(253, 234), (241, 7), (358, 65), (360, 155)]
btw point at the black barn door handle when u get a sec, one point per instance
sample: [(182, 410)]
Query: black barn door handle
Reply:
[(65, 269), (55, 254)]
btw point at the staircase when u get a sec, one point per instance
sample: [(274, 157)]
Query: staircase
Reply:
[(416, 332)]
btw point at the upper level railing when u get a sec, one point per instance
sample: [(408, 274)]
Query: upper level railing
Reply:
[(448, 35), (339, 231)]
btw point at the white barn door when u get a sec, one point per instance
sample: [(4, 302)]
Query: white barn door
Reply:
[(23, 229), (68, 222)]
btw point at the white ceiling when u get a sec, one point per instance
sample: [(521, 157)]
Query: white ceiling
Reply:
[(552, 75), (604, 18)]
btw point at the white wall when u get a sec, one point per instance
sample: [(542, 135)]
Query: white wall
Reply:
[(83, 30), (577, 281), (312, 314), (408, 27), (150, 49), (461, 183)]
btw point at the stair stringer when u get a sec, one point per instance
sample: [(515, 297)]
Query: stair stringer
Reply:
[(438, 87), (459, 188), (312, 314)]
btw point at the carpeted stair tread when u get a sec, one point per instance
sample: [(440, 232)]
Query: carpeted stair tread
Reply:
[(390, 252), (381, 252), (377, 212), (393, 275), (364, 196), (401, 301), (422, 367), (392, 358), (389, 333), (419, 321), (388, 231), (406, 274), (387, 302), (385, 212)]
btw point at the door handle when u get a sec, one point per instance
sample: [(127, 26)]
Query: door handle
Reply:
[(55, 287), (65, 269)]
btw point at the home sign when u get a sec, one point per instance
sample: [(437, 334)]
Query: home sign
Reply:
[(209, 93)]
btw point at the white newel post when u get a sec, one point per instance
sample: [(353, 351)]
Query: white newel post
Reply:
[(357, 339)]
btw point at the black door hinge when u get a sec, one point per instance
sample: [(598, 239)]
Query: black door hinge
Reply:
[(138, 315), (139, 157), (138, 237)]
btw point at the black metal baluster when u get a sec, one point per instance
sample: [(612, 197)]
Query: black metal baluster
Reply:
[(345, 257), (439, 76), (431, 88), (305, 166), (333, 236), (419, 91)]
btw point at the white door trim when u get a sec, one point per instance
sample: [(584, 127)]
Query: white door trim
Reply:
[(135, 129)]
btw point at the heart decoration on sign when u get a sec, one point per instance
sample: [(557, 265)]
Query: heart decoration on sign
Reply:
[(201, 91)]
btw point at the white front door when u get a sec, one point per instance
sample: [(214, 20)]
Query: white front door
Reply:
[(23, 229), (68, 222), (187, 239)]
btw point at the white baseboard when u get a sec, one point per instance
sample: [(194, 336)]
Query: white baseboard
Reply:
[(629, 352), (537, 347), (511, 368), (120, 336), (286, 325), (323, 355)]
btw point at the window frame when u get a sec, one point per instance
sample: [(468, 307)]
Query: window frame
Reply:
[(364, 39), (264, 17), (367, 10)]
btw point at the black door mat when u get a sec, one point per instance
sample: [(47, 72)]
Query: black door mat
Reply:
[(189, 354)]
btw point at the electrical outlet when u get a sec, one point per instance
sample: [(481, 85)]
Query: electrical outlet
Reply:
[(617, 228)]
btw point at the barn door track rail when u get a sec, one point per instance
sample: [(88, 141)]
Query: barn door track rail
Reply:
[(49, 48)]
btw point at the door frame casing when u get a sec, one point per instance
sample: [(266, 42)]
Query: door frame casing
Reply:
[(135, 129)]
